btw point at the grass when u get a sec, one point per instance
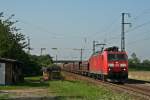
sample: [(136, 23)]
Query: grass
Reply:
[(4, 96), (84, 91), (30, 82), (68, 90)]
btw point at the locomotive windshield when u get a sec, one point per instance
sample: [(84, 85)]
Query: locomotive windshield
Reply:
[(112, 57)]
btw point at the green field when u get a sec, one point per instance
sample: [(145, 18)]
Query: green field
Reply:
[(139, 68), (82, 90), (68, 90)]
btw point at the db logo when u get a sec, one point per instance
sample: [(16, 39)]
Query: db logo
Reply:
[(117, 65)]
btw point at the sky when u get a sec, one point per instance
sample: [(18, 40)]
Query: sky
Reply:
[(69, 25)]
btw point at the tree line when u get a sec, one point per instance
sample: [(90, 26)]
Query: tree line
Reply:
[(13, 44), (136, 64)]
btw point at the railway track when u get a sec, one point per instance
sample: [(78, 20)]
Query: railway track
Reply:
[(134, 89), (137, 91)]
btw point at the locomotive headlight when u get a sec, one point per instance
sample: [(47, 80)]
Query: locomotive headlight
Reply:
[(111, 65), (122, 65), (124, 69)]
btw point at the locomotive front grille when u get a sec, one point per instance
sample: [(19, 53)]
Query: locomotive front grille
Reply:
[(118, 75)]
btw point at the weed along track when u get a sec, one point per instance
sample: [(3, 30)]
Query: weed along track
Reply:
[(133, 89), (138, 90)]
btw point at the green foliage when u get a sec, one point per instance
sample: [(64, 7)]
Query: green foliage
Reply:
[(35, 63), (12, 45), (134, 59), (43, 60), (12, 42), (4, 96), (139, 67), (146, 62), (136, 65)]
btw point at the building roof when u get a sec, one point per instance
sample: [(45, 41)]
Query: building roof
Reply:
[(9, 60)]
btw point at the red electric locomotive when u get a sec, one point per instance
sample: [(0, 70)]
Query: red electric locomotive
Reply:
[(110, 64)]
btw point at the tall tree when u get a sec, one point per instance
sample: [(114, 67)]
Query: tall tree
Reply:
[(12, 45), (134, 58), (12, 42)]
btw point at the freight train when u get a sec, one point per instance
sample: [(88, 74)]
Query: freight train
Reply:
[(108, 65)]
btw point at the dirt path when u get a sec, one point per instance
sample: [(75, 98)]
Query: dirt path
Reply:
[(30, 92)]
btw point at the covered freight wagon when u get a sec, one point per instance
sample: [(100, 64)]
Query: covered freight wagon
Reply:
[(10, 71), (51, 73)]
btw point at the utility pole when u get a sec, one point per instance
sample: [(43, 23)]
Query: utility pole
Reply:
[(122, 32), (42, 49), (29, 48), (94, 46), (81, 54), (56, 57), (98, 44), (56, 53)]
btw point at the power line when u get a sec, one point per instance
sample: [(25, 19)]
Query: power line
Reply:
[(134, 28), (106, 29), (140, 40), (29, 46), (146, 11), (37, 27), (76, 49), (138, 26)]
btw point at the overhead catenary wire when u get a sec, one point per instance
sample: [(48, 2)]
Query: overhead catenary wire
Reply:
[(146, 11), (138, 26), (43, 29), (139, 40), (134, 28), (106, 30), (37, 27)]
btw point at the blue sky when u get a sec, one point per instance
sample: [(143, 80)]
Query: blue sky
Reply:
[(68, 24)]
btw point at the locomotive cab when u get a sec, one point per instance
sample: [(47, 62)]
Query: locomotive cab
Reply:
[(117, 65)]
